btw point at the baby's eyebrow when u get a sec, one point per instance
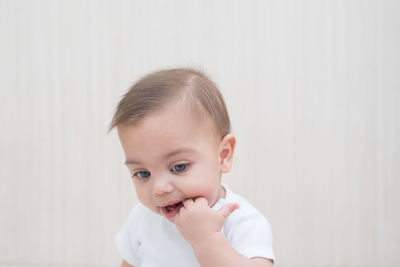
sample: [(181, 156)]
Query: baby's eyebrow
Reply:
[(179, 151), (170, 154), (127, 162)]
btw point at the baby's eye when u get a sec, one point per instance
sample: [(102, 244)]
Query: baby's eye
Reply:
[(180, 167), (142, 174)]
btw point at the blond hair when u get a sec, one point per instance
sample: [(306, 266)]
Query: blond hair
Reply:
[(157, 89)]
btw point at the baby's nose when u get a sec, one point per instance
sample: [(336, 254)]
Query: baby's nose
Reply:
[(162, 186)]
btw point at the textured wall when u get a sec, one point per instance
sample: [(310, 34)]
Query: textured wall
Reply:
[(312, 87)]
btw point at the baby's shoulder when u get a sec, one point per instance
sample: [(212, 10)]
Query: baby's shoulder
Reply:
[(137, 211), (139, 217), (246, 226), (246, 213)]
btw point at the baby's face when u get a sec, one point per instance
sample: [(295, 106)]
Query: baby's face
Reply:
[(171, 157)]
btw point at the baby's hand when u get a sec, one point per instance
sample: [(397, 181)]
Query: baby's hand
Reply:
[(197, 222)]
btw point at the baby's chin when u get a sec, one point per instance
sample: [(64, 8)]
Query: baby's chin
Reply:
[(171, 220)]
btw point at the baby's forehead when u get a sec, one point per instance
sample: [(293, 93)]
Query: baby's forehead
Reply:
[(186, 110), (173, 123)]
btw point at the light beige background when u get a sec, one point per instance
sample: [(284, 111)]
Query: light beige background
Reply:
[(313, 89)]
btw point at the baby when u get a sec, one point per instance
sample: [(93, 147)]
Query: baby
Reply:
[(175, 131)]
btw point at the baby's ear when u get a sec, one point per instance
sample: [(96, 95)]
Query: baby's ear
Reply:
[(226, 149)]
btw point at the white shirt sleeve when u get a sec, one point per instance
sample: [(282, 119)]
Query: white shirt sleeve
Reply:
[(126, 239), (250, 234)]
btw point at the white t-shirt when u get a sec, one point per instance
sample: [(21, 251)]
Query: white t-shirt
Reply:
[(149, 240)]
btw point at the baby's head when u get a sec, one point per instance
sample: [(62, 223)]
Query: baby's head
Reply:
[(175, 131)]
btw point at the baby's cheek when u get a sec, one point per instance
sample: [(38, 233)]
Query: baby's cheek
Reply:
[(146, 199), (209, 191)]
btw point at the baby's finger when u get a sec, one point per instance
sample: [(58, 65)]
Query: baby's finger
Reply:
[(188, 202), (201, 201), (227, 209)]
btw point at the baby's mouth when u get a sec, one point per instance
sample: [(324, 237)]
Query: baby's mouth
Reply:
[(173, 209)]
